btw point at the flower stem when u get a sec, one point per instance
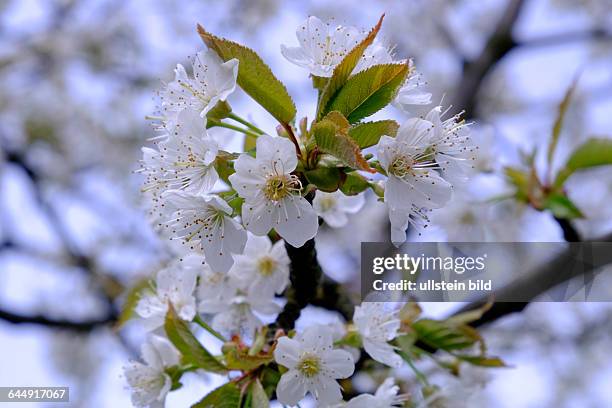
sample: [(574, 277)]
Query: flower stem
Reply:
[(245, 122), (197, 319), (236, 128), (289, 131)]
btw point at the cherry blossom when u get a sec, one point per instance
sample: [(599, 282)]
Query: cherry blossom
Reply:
[(385, 397), (314, 365), (272, 194), (205, 223), (322, 46), (263, 267), (173, 285), (149, 382), (378, 324), (333, 207), (213, 81)]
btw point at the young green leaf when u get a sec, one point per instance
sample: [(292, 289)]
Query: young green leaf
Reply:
[(331, 135), (354, 184), (259, 398), (220, 111), (594, 152), (366, 92), (343, 70), (445, 336), (254, 76), (482, 361), (237, 359), (131, 300), (369, 133), (520, 179), (556, 130), (193, 352), (562, 207), (226, 396), (326, 179)]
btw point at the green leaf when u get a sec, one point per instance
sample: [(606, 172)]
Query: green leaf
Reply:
[(520, 179), (326, 179), (445, 336), (469, 316), (592, 153), (556, 131), (331, 135), (254, 76), (238, 359), (369, 91), (224, 167), (482, 361), (131, 300), (343, 70), (318, 82), (226, 396), (367, 134), (269, 379), (259, 398), (562, 207), (354, 184), (220, 111), (193, 352), (406, 341)]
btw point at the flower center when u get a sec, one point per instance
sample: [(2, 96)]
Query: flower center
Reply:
[(279, 186), (266, 265), (468, 218), (310, 365), (401, 166), (327, 203)]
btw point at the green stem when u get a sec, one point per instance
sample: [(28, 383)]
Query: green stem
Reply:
[(246, 123), (236, 128), (420, 376), (197, 319)]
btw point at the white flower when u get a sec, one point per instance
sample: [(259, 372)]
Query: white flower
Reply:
[(174, 284), (263, 267), (184, 160), (321, 47), (232, 308), (149, 382), (272, 193), (385, 397), (412, 186), (314, 365), (375, 54), (333, 207), (451, 144), (205, 223), (378, 325), (411, 92), (213, 81)]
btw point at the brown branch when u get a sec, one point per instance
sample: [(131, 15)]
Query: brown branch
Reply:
[(557, 271), (474, 71), (81, 326)]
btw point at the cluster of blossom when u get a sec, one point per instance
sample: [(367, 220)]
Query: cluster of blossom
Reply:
[(233, 271)]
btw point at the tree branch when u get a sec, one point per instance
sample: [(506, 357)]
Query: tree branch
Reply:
[(553, 273), (82, 326), (499, 44), (305, 276)]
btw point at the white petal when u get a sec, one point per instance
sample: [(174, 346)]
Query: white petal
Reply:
[(382, 352), (257, 217), (287, 352), (338, 363), (291, 388), (326, 390), (299, 223)]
